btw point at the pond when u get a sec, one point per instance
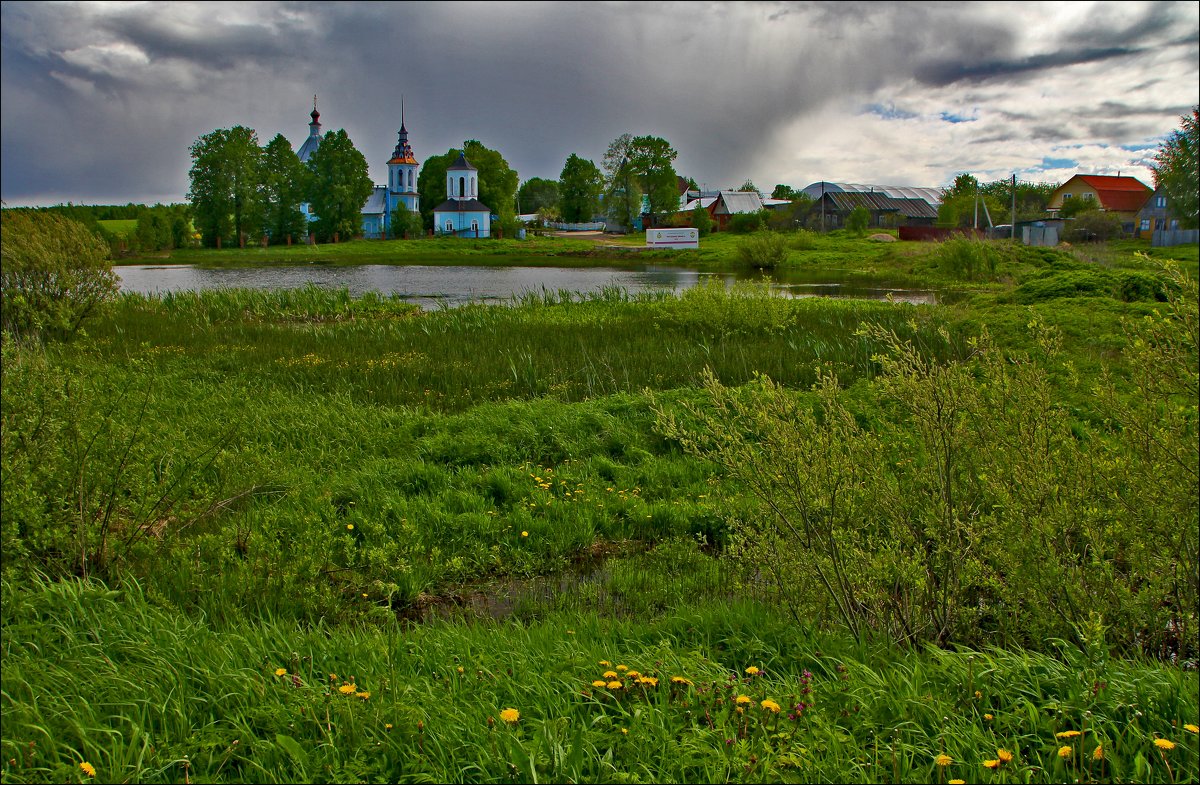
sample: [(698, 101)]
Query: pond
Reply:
[(436, 286)]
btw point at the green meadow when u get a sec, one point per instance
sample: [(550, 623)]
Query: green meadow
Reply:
[(719, 536)]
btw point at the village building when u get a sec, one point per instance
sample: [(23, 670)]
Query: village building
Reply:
[(462, 214), (401, 186), (1122, 196)]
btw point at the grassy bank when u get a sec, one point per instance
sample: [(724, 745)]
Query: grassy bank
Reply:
[(221, 509)]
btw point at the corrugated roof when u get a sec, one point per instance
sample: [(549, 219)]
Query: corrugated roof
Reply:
[(376, 203), (931, 195), (739, 202), (706, 203), (1120, 194), (872, 200)]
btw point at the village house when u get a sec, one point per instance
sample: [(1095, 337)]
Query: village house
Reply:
[(1123, 196)]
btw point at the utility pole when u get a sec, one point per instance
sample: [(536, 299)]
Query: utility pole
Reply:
[(1014, 206), (977, 205)]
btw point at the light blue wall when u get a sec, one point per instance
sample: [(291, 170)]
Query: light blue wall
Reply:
[(461, 223)]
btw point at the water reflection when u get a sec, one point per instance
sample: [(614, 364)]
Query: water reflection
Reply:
[(433, 286)]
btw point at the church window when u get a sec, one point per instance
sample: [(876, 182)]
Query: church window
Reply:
[(449, 226), (472, 186), (410, 179), (475, 226), (462, 186)]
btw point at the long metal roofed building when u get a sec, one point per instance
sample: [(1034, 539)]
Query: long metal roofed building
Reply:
[(931, 195)]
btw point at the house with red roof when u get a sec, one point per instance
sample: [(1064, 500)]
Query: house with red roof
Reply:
[(1121, 195)]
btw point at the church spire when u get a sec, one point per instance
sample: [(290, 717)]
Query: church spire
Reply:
[(316, 116)]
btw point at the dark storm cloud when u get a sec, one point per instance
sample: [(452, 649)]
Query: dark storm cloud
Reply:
[(101, 102), (949, 72)]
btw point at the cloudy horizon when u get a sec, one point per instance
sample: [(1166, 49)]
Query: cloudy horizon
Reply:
[(102, 101)]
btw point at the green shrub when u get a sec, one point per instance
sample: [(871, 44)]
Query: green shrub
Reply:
[(54, 274), (1093, 226), (764, 250), (858, 220), (745, 223), (970, 259)]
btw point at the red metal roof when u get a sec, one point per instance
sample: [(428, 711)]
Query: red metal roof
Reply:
[(1121, 194)]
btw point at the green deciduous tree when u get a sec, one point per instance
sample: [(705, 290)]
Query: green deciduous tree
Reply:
[(338, 186), (701, 220), (284, 188), (652, 157), (404, 221), (622, 186), (225, 181), (782, 191), (497, 182), (54, 273), (580, 186), (748, 187), (536, 193), (1177, 171)]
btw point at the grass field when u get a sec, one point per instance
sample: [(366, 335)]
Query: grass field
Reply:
[(120, 227), (302, 536)]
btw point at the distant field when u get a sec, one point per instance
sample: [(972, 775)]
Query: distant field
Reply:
[(120, 227)]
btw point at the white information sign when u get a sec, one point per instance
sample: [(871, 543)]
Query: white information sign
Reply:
[(673, 238)]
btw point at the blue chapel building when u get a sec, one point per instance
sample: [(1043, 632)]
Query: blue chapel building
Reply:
[(401, 186), (462, 214)]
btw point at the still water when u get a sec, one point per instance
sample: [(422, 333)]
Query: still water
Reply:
[(440, 286)]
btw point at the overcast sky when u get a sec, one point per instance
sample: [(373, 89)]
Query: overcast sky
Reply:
[(100, 102)]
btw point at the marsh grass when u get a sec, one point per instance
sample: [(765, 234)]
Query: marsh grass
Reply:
[(145, 694), (383, 459)]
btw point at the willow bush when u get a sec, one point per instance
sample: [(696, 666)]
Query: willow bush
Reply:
[(54, 274), (973, 506)]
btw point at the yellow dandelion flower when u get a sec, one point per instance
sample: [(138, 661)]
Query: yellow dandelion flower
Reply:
[(978, 694), (1164, 744), (988, 717), (364, 695), (87, 769), (991, 764), (281, 671), (1067, 734), (770, 706), (387, 726), (614, 685), (1004, 755), (599, 683), (1098, 753), (742, 700), (605, 664), (681, 680), (1192, 728), (610, 674), (349, 527), (460, 669), (524, 534), (649, 681), (956, 782), (347, 689), (632, 675), (1065, 751), (511, 716), (622, 667), (740, 710), (943, 760), (624, 731), (752, 671)]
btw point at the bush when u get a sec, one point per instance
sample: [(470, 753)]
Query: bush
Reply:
[(54, 273), (1094, 226), (980, 510), (968, 259), (764, 250), (745, 223), (858, 220), (702, 221)]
